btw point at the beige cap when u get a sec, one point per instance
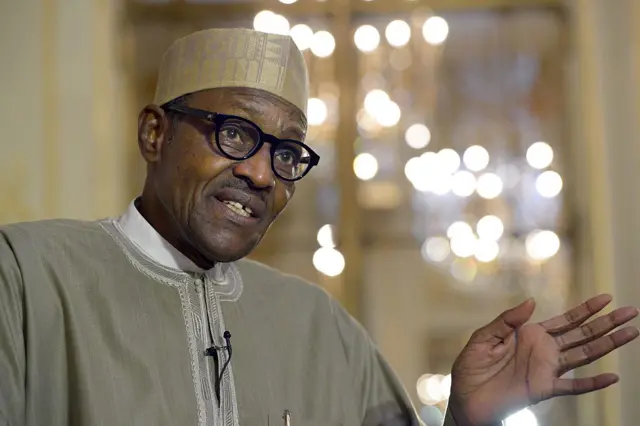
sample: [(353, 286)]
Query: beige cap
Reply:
[(234, 58)]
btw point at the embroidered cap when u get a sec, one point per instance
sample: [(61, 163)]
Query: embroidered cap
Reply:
[(235, 57)]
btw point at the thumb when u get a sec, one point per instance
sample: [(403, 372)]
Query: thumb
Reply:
[(508, 321)]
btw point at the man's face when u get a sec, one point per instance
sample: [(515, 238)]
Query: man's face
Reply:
[(198, 189)]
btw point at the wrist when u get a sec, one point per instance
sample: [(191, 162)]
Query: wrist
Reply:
[(457, 413)]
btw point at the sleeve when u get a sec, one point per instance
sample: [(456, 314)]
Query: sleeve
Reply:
[(383, 400), (12, 351)]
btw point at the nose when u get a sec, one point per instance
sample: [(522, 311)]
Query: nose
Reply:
[(257, 169)]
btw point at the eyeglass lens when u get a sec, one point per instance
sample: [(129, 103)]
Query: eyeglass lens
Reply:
[(238, 138)]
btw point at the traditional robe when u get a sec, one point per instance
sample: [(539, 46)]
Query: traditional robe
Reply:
[(105, 323)]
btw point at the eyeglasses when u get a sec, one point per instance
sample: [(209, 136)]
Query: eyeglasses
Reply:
[(239, 139)]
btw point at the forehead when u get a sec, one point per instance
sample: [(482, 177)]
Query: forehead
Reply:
[(273, 114)]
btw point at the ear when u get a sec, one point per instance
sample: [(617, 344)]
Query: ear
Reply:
[(153, 132)]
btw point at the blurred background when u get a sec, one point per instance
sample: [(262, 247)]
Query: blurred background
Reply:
[(474, 153)]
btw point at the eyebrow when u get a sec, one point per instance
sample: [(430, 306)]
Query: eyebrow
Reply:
[(250, 109)]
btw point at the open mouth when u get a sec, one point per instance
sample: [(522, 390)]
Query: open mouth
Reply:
[(238, 208)]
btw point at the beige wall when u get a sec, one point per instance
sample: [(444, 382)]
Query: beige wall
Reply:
[(606, 149), (63, 143)]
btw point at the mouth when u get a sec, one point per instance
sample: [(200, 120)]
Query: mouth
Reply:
[(238, 208), (241, 207)]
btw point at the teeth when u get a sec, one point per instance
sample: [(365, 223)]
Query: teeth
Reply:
[(239, 208)]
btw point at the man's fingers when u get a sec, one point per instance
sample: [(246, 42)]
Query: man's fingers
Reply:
[(576, 316), (589, 352), (500, 328), (596, 328), (563, 387)]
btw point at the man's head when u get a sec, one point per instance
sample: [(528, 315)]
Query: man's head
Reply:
[(215, 182)]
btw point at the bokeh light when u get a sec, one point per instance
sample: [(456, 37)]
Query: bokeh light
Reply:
[(490, 227), (367, 38), (435, 30), (269, 22), (539, 155), (323, 44), (476, 158), (542, 244), (463, 183), (436, 249), (398, 33), (328, 261), (489, 186), (316, 111), (365, 166), (417, 136), (302, 35), (549, 184), (326, 236)]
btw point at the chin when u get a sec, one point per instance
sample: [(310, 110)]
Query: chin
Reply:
[(228, 250), (219, 241)]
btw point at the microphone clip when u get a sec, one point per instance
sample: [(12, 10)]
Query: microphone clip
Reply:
[(212, 350)]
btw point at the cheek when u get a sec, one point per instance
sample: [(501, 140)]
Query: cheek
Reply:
[(191, 173), (283, 194), (199, 164)]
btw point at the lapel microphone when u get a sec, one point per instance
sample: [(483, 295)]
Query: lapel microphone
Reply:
[(212, 351)]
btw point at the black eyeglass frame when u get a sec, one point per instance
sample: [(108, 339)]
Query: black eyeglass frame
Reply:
[(217, 119)]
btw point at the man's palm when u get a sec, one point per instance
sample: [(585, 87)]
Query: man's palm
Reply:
[(507, 365)]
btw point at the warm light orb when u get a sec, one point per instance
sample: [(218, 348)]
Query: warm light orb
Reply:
[(436, 249), (328, 261), (417, 136), (367, 38), (326, 236), (441, 183), (398, 33), (464, 245), (412, 170), (463, 183), (433, 387), (426, 174), (435, 30), (539, 155), (476, 158), (365, 166), (423, 388), (542, 245), (262, 20), (316, 111), (366, 122), (389, 115), (302, 35), (375, 101), (489, 186), (269, 22), (449, 160), (323, 44), (486, 250), (445, 386), (549, 184), (287, 1), (490, 227), (459, 228)]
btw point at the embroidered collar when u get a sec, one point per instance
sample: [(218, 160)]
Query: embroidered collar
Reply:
[(144, 236)]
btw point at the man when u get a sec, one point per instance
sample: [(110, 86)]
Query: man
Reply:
[(129, 320)]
